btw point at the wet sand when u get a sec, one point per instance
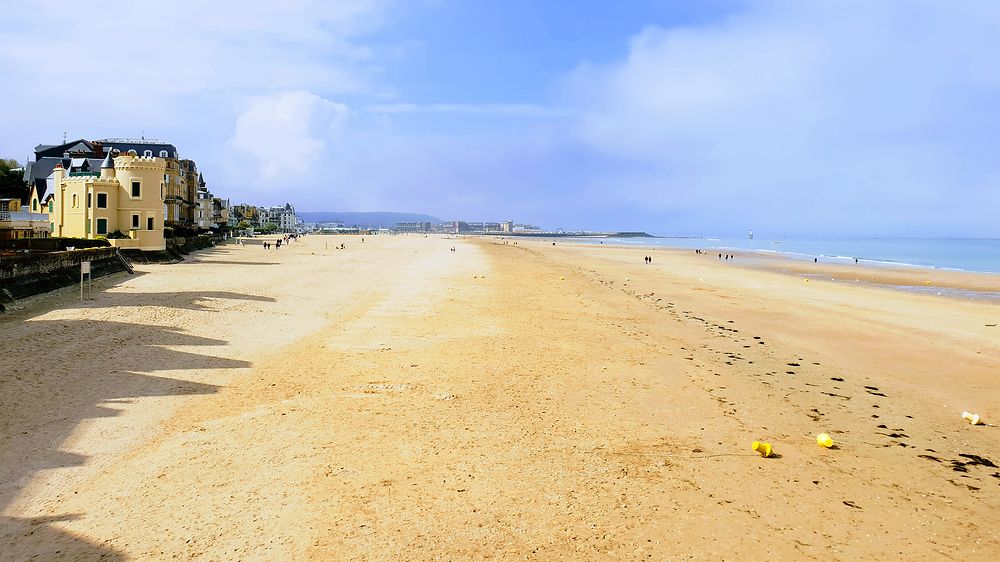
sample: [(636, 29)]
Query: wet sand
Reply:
[(398, 400)]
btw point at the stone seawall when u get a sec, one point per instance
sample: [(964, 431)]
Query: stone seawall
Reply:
[(31, 274)]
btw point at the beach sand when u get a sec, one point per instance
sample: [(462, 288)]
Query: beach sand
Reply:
[(396, 400)]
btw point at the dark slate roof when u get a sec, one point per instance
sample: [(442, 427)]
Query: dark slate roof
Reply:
[(40, 169), (79, 147), (35, 173), (201, 180), (140, 147)]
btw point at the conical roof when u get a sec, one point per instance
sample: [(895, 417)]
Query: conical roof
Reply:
[(109, 162)]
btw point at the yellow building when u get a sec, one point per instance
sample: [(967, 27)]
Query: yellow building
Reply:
[(125, 197), (174, 192), (17, 222)]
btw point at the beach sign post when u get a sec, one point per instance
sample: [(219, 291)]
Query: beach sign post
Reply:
[(85, 270)]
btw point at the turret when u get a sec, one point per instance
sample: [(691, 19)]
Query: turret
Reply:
[(108, 167)]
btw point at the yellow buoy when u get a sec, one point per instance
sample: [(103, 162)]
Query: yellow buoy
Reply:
[(824, 440), (764, 449), (973, 418)]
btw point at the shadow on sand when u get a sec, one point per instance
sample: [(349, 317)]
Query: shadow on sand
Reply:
[(189, 300), (54, 378)]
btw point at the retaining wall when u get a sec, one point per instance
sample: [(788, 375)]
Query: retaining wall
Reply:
[(31, 274)]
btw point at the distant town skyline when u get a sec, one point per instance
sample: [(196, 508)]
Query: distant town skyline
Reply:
[(718, 116)]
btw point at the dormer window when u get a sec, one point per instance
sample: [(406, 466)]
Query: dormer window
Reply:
[(132, 152), (163, 154), (147, 153)]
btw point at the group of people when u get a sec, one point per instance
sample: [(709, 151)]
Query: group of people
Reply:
[(649, 260), (721, 256)]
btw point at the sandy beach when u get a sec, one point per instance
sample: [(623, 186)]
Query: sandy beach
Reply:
[(398, 400)]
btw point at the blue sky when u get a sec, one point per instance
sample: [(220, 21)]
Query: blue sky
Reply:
[(707, 117)]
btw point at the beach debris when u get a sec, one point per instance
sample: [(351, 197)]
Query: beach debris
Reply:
[(764, 449), (627, 279), (973, 418), (824, 440)]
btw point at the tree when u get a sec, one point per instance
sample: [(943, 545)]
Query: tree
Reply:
[(12, 182)]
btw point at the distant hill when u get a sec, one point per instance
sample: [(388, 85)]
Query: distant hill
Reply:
[(375, 219)]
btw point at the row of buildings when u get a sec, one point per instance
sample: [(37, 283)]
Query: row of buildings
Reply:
[(129, 191), (462, 227)]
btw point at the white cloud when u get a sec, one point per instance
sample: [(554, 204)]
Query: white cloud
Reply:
[(508, 109), (285, 136), (845, 115), (177, 70)]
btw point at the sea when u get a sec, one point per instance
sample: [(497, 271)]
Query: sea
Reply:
[(958, 254)]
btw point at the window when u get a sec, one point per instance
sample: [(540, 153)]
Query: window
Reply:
[(88, 227), (90, 198), (50, 206), (132, 152), (102, 200), (102, 226), (52, 227), (149, 223), (136, 191), (163, 154), (147, 153), (135, 222), (34, 204), (76, 200)]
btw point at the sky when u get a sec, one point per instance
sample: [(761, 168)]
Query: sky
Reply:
[(708, 117)]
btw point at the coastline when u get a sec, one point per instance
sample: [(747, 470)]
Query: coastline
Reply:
[(814, 249), (396, 399), (937, 281)]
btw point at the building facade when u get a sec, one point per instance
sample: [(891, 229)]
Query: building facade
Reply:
[(17, 222), (123, 201)]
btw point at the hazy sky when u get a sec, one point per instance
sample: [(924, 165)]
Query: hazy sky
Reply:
[(696, 117)]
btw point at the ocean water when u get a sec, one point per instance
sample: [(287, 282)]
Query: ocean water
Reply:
[(963, 254)]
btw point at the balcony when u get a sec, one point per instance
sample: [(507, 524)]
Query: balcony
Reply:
[(19, 216)]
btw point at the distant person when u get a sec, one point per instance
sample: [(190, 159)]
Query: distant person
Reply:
[(855, 261), (720, 256), (815, 260)]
